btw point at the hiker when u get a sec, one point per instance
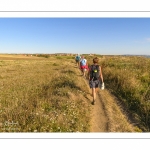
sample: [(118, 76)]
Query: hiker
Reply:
[(95, 75), (83, 66), (77, 59)]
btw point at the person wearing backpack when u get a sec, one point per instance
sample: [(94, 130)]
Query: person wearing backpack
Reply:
[(83, 65), (77, 59), (95, 75)]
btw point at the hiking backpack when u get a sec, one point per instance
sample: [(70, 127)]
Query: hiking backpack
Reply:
[(77, 58), (94, 72)]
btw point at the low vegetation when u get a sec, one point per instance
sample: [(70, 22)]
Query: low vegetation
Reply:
[(128, 78), (42, 95), (48, 94)]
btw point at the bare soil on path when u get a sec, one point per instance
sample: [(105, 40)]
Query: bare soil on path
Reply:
[(99, 121), (107, 115)]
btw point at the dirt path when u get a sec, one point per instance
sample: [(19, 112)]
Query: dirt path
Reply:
[(99, 122), (107, 114), (99, 119)]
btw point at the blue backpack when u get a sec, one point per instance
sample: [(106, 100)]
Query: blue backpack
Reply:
[(83, 62), (77, 58)]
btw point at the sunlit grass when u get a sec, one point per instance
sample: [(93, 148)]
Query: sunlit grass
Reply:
[(129, 79), (42, 96)]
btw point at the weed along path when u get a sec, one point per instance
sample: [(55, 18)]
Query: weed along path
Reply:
[(106, 115)]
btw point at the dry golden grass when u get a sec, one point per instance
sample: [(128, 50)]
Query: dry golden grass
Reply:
[(42, 95), (118, 118), (129, 79)]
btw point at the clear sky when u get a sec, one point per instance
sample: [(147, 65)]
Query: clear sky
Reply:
[(110, 36)]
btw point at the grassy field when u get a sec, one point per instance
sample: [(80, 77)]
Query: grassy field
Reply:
[(42, 95), (129, 79), (48, 94)]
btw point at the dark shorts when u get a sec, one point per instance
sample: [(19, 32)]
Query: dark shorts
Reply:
[(77, 61), (94, 84)]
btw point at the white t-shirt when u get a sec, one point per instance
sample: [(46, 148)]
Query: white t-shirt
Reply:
[(83, 62)]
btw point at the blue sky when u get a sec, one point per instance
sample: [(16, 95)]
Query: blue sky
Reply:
[(110, 36)]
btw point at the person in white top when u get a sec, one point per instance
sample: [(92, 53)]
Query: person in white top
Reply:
[(83, 65)]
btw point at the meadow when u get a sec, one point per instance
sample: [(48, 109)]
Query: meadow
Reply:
[(128, 78), (48, 94), (42, 95)]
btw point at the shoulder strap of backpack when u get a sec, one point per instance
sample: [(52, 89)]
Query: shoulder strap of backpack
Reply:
[(91, 68), (97, 67)]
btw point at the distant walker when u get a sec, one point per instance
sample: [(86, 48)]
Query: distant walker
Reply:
[(77, 59)]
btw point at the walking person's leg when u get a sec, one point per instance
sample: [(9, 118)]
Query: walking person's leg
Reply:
[(93, 94), (79, 64), (84, 72), (94, 90)]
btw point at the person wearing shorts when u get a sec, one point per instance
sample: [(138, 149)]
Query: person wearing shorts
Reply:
[(83, 66), (77, 59), (95, 81)]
